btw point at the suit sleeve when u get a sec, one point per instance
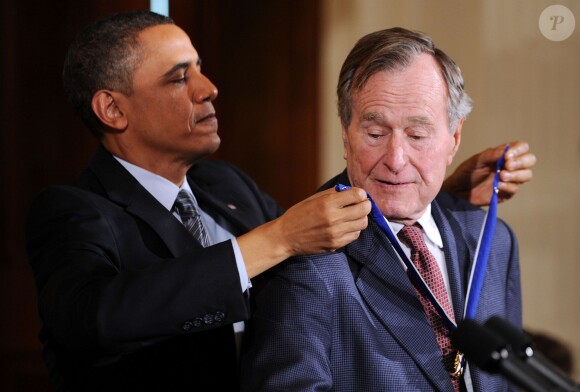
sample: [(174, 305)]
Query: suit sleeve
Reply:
[(102, 290), (289, 339)]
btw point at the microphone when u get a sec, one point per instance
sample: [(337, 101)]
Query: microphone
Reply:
[(490, 352), (523, 346)]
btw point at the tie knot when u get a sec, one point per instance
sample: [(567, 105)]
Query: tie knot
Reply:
[(412, 236), (184, 205)]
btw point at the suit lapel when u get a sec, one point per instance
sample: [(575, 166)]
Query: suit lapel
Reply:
[(233, 217), (388, 292), (385, 287), (170, 230), (123, 189), (457, 256)]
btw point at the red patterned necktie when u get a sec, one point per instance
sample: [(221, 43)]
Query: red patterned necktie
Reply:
[(427, 266)]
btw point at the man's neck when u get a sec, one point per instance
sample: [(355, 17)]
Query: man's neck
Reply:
[(173, 170)]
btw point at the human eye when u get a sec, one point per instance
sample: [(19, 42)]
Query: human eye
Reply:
[(374, 134), (180, 79), (417, 133), (372, 130), (179, 74)]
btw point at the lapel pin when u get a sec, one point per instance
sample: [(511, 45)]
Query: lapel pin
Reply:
[(232, 207)]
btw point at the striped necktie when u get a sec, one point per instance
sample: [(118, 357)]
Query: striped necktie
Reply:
[(190, 217)]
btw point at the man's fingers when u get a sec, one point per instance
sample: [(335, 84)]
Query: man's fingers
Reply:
[(517, 176), (518, 154), (348, 232), (492, 154), (342, 199), (353, 225), (507, 188), (518, 147), (351, 196), (525, 161), (357, 210)]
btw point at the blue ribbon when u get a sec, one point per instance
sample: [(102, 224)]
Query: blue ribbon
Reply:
[(482, 252), (483, 246), (411, 269)]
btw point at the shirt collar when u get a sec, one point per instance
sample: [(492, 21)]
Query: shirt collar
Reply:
[(427, 223), (159, 187), (430, 228)]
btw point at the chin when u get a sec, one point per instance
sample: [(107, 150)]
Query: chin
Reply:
[(395, 213), (214, 146), (200, 152)]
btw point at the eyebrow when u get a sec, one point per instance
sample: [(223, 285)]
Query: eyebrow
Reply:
[(180, 66), (378, 118), (421, 120), (372, 116), (176, 68)]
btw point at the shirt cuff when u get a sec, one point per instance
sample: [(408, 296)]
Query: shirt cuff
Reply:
[(244, 280)]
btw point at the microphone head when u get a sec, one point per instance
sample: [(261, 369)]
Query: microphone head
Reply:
[(481, 346), (520, 343)]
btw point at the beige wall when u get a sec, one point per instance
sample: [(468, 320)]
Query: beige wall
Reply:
[(524, 87)]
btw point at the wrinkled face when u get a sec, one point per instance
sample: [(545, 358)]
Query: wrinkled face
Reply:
[(170, 112), (398, 144)]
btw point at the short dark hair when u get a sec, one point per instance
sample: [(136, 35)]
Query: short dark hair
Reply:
[(393, 49), (104, 56)]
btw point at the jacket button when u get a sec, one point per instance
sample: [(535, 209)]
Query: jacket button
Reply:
[(197, 322), (208, 319)]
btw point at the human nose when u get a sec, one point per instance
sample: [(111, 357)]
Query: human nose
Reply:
[(204, 90), (394, 157)]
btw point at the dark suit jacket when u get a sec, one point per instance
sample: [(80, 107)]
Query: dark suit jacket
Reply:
[(128, 299), (351, 321)]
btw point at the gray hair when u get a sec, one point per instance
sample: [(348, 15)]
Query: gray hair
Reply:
[(393, 49)]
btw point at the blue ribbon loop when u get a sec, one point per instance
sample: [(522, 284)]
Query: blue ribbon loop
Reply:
[(483, 246), (482, 253)]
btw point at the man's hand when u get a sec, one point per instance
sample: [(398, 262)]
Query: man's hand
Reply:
[(324, 222), (473, 179)]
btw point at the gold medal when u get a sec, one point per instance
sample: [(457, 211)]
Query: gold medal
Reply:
[(458, 365)]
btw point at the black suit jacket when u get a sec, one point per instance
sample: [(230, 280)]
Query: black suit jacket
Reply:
[(127, 298)]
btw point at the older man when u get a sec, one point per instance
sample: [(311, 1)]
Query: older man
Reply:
[(354, 320)]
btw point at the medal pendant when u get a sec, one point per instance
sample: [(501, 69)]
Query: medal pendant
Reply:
[(458, 365)]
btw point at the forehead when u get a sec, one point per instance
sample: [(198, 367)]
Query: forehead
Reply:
[(164, 46), (420, 80)]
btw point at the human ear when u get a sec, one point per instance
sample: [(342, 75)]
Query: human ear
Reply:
[(344, 141), (105, 106), (456, 140)]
